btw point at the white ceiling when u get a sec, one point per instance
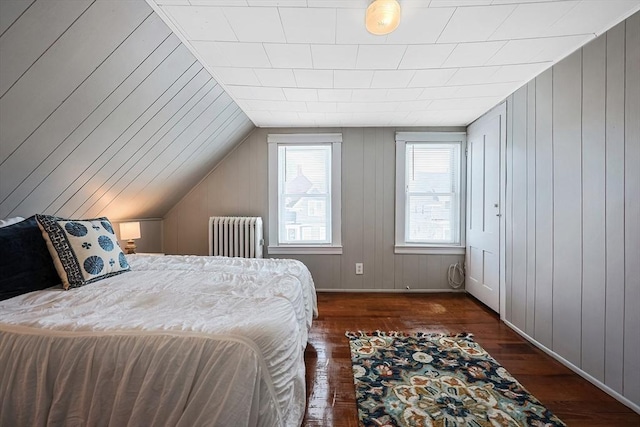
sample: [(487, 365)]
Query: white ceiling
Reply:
[(312, 63)]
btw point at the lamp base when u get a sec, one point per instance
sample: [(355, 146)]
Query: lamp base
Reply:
[(130, 248)]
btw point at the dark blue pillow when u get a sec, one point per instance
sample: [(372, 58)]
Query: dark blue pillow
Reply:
[(25, 262)]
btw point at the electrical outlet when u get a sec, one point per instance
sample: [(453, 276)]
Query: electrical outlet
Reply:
[(359, 268)]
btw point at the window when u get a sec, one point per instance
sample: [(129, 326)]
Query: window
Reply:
[(429, 192), (304, 193)]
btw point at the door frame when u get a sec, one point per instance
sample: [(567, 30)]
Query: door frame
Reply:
[(499, 111)]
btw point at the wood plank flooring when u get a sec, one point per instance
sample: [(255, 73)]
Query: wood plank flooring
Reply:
[(330, 391)]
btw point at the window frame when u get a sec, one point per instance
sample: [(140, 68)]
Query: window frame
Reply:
[(401, 244), (335, 245)]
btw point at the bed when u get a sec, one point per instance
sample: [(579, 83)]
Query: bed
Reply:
[(177, 340)]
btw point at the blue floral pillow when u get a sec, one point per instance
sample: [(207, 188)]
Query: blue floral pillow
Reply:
[(83, 251)]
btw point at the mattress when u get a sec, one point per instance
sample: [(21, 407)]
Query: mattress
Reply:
[(182, 341)]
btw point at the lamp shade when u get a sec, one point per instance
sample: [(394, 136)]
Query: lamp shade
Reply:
[(382, 17), (129, 230)]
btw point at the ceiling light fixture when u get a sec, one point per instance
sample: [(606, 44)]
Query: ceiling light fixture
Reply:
[(382, 17)]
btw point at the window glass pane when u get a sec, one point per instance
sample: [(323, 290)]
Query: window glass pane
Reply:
[(430, 219), (432, 191), (305, 183)]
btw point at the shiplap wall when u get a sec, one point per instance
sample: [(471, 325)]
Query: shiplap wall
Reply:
[(238, 186), (150, 240), (103, 111), (573, 224)]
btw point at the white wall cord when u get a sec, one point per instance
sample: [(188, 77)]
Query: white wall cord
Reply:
[(451, 275)]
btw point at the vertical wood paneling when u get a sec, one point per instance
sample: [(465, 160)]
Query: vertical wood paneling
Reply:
[(190, 242), (389, 206), (411, 272), (379, 210), (509, 212), (436, 271), (99, 104), (151, 236), (584, 199), (531, 209), (237, 186), (244, 186), (519, 219), (567, 208), (228, 191), (170, 233), (593, 206), (423, 270), (352, 205), (369, 201), (615, 233), (544, 210), (320, 267), (631, 385)]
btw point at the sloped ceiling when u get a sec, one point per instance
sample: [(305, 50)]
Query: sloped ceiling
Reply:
[(103, 111), (312, 63)]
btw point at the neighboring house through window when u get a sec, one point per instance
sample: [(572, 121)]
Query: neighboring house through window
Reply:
[(304, 193), (430, 192)]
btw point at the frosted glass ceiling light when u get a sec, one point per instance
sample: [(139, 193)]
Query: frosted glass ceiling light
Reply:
[(383, 16)]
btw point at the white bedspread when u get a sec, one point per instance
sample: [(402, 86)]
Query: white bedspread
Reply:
[(183, 341)]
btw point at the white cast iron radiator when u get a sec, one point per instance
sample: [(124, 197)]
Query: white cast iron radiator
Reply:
[(235, 236)]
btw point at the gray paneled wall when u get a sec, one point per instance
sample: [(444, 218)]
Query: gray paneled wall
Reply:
[(150, 240), (573, 238), (103, 111), (238, 186)]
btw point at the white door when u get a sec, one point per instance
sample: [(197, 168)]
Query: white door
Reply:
[(483, 208)]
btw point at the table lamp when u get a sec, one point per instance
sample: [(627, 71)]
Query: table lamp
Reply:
[(128, 232)]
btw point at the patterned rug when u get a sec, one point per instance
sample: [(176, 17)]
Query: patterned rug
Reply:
[(437, 380)]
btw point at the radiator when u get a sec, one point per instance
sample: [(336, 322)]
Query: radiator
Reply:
[(235, 236)]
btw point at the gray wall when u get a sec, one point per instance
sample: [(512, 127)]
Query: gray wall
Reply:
[(103, 111), (150, 240), (238, 186), (573, 224)]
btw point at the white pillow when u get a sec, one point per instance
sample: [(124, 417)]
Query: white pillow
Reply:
[(9, 221), (83, 251)]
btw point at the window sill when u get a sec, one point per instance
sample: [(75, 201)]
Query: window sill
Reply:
[(305, 250), (430, 250)]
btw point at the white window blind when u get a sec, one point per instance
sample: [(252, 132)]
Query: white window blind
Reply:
[(432, 193), (304, 193)]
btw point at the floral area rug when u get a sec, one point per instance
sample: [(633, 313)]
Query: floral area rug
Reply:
[(437, 380)]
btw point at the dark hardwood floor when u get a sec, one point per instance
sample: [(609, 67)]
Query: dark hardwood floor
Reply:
[(330, 392)]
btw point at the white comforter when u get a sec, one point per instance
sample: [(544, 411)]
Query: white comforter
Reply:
[(183, 341)]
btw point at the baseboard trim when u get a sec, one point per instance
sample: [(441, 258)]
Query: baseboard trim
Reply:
[(611, 392), (395, 291)]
